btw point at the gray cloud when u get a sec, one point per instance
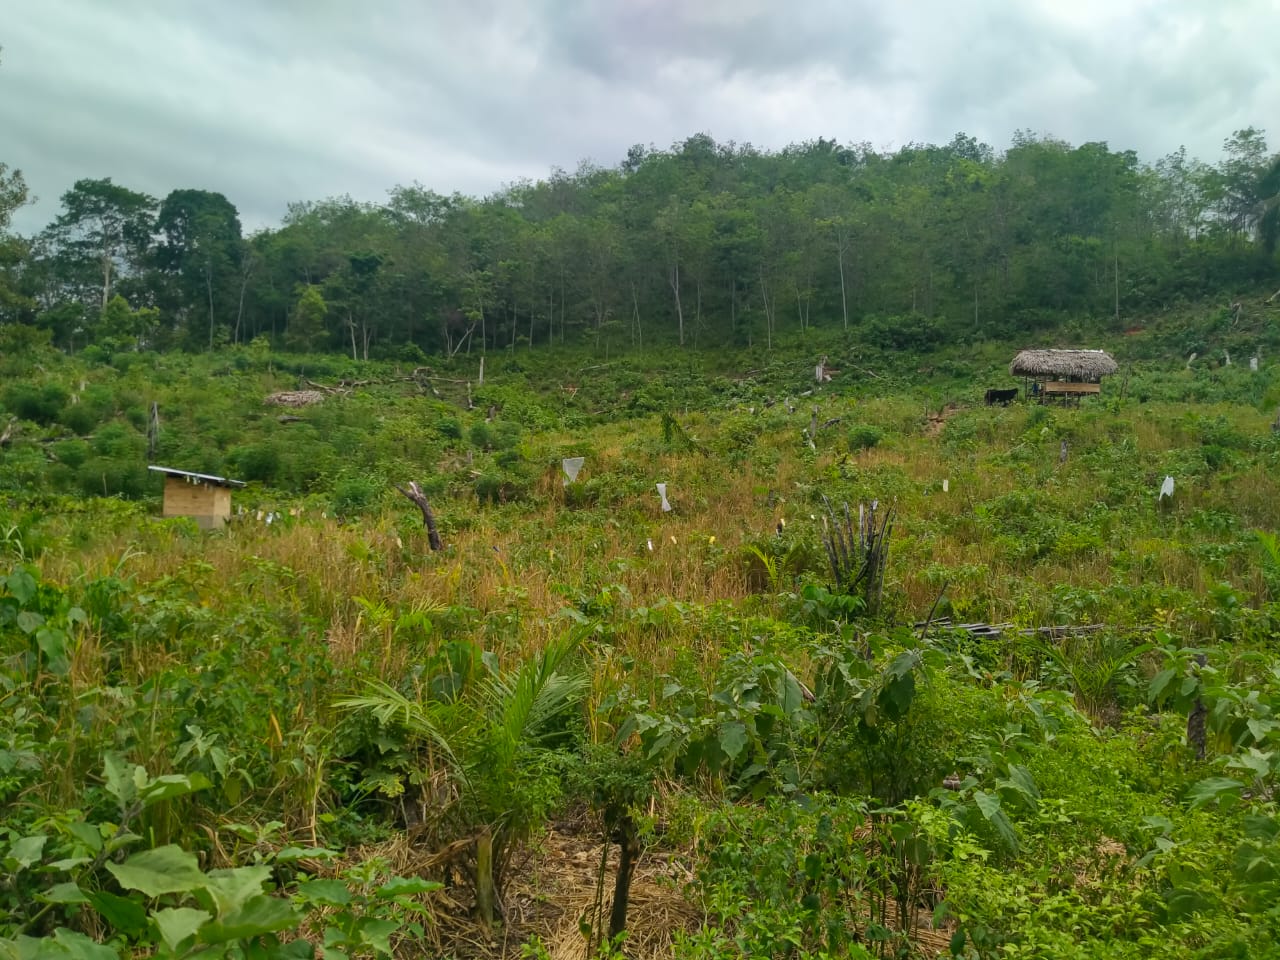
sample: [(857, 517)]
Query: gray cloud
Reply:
[(294, 100)]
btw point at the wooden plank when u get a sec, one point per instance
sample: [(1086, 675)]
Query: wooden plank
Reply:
[(1064, 387), (209, 506)]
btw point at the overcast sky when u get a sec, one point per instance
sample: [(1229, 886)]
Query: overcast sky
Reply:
[(270, 101)]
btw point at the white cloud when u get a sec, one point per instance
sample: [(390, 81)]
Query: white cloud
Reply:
[(293, 100)]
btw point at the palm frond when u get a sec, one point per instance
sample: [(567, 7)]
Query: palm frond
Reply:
[(392, 708), (525, 702)]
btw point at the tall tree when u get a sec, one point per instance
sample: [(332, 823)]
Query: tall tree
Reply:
[(103, 232), (13, 194), (201, 249)]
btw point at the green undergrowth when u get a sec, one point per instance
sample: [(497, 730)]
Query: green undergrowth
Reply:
[(317, 736)]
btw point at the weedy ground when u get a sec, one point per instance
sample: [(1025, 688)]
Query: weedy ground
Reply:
[(578, 671)]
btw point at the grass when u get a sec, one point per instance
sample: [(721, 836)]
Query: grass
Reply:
[(683, 621)]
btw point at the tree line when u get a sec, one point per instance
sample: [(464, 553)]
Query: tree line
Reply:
[(700, 244)]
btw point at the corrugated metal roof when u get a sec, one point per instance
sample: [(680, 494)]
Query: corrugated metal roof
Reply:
[(197, 477)]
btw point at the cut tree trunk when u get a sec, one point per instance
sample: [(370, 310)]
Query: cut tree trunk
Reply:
[(414, 493)]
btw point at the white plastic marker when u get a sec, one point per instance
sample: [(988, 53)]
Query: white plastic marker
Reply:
[(571, 467), (1253, 364), (946, 486), (650, 542), (662, 492), (1166, 488)]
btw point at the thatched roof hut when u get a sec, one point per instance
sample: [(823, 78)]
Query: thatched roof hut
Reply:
[(1086, 366)]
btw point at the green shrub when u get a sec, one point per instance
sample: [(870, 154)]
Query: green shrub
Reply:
[(355, 496), (258, 461), (41, 404), (505, 435), (106, 477), (78, 418), (71, 453), (118, 441), (481, 436), (864, 436), (449, 428)]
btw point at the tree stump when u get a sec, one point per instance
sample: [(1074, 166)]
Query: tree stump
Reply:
[(414, 493)]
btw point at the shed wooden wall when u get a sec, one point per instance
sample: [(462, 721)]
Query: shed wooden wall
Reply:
[(208, 505)]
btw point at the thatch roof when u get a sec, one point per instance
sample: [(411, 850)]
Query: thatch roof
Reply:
[(1089, 365)]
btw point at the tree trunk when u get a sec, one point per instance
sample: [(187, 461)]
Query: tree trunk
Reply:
[(635, 306), (208, 283), (673, 278), (414, 493), (1116, 252), (106, 279), (628, 854), (244, 285), (844, 301), (486, 896)]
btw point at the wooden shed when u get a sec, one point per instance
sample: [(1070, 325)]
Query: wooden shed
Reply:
[(201, 496), (1063, 374)]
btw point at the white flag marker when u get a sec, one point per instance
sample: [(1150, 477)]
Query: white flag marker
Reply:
[(571, 467), (1166, 488), (946, 486), (662, 492)]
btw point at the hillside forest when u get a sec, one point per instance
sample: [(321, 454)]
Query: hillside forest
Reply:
[(645, 563), (700, 243)]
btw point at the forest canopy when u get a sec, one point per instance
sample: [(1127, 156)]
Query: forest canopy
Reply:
[(702, 243)]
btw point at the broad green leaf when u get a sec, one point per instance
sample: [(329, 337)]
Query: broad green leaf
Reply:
[(69, 863), (1258, 827), (408, 886), (63, 945), (1261, 728), (63, 893), (377, 933), (231, 889), (733, 738), (1158, 684), (1211, 789), (22, 586), (1254, 760), (172, 785), (989, 804), (86, 833), (29, 621), (896, 697), (27, 850), (176, 924), (127, 916), (168, 869), (53, 644), (261, 914), (118, 775), (332, 893), (289, 854), (1021, 781)]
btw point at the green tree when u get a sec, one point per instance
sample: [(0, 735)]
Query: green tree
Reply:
[(103, 232), (200, 250), (13, 250), (307, 330), (121, 326)]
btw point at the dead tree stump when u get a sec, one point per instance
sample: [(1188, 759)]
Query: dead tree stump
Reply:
[(414, 493)]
